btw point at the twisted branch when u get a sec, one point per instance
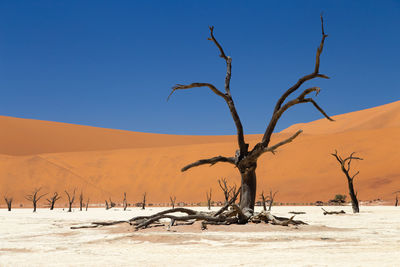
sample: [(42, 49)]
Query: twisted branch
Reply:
[(210, 161)]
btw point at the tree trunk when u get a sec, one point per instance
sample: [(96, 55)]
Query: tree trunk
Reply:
[(34, 206), (354, 201), (248, 191)]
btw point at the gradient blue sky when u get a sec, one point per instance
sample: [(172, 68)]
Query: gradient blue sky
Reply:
[(112, 63)]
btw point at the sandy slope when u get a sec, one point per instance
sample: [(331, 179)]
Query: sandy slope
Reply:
[(104, 163)]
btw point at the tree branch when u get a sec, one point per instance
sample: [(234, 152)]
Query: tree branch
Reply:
[(227, 96), (194, 85), (212, 38), (284, 142), (280, 107), (210, 161), (308, 77)]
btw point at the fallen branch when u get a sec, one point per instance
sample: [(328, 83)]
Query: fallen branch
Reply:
[(333, 212), (297, 212)]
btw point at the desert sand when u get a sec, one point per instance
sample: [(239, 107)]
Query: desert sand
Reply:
[(104, 163), (370, 238)]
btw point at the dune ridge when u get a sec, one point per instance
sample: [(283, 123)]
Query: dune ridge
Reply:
[(104, 163)]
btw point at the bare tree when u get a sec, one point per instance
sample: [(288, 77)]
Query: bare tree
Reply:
[(245, 159), (144, 201), (263, 200), (52, 201), (9, 202), (208, 195), (71, 199), (87, 204), (81, 204), (271, 199), (125, 203), (34, 197), (112, 204), (227, 190), (107, 206), (396, 202), (345, 166), (172, 199)]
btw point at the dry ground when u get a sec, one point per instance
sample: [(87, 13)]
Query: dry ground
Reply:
[(370, 238)]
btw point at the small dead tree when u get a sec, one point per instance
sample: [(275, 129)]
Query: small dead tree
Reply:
[(245, 158), (9, 202), (107, 206), (125, 203), (271, 199), (345, 166), (112, 204), (227, 190), (87, 204), (396, 202), (34, 197), (208, 195), (263, 200), (52, 201), (144, 201), (81, 204), (173, 200), (71, 199)]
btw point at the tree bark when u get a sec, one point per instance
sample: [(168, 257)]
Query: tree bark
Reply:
[(248, 190), (353, 196)]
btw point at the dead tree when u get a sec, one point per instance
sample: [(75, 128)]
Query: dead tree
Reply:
[(87, 204), (9, 202), (208, 195), (71, 199), (396, 202), (263, 200), (107, 206), (52, 201), (345, 166), (227, 190), (34, 197), (172, 199), (112, 204), (125, 203), (271, 199), (144, 201), (81, 204), (245, 159)]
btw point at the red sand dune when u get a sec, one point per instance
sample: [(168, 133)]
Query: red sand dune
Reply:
[(105, 163)]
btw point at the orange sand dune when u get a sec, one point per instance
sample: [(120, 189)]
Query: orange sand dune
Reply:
[(385, 116), (104, 163)]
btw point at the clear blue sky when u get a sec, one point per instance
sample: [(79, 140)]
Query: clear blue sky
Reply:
[(112, 63)]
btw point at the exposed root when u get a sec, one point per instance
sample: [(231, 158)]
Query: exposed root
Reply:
[(222, 217)]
